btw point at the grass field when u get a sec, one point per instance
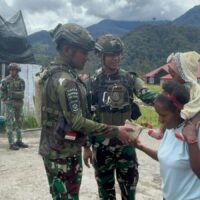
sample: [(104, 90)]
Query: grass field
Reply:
[(155, 88), (148, 115)]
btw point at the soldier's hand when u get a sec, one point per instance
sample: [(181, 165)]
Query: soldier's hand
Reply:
[(136, 127), (124, 135), (87, 156)]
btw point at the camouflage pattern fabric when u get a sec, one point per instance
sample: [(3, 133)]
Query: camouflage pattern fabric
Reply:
[(109, 154), (65, 95), (12, 94), (14, 120), (123, 160), (64, 177)]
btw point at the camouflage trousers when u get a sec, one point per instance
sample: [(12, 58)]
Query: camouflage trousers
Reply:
[(64, 177), (123, 160), (14, 120)]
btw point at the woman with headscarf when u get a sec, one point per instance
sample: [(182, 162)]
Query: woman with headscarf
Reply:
[(183, 68)]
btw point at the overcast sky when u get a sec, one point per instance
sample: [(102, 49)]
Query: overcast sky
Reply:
[(46, 14)]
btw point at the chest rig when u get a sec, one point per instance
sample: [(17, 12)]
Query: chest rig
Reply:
[(52, 113), (15, 88), (112, 98)]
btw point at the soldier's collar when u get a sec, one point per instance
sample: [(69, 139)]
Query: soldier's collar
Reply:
[(65, 67), (114, 72)]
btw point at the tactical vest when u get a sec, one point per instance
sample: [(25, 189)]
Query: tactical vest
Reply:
[(52, 141), (53, 108), (112, 97), (15, 89)]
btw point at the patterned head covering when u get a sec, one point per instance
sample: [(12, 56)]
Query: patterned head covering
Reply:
[(187, 64)]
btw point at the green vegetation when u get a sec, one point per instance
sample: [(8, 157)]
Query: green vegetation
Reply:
[(155, 88), (29, 121), (148, 115), (146, 47)]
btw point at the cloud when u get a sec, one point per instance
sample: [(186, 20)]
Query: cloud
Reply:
[(133, 10), (46, 14), (6, 11)]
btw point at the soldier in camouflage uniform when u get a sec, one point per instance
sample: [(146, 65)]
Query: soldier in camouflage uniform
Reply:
[(112, 100), (65, 113), (12, 94)]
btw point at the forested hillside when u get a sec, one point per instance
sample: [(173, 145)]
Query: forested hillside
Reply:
[(191, 17), (147, 47)]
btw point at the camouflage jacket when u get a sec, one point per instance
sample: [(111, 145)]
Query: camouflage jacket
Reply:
[(64, 99), (12, 90)]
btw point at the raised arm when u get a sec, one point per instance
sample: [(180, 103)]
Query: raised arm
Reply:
[(192, 134)]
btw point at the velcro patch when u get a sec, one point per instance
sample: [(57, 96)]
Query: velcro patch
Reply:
[(72, 96)]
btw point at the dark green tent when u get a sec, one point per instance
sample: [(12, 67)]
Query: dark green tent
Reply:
[(14, 44)]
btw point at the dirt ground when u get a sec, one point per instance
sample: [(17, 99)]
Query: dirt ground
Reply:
[(22, 175)]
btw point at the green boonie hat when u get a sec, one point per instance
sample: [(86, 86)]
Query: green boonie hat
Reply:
[(14, 66), (73, 34), (109, 44)]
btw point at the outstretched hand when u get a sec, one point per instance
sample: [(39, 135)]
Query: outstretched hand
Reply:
[(136, 127), (124, 135)]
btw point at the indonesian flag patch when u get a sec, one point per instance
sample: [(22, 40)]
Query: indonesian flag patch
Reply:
[(70, 136)]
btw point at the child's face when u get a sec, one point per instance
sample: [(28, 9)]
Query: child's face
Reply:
[(167, 117)]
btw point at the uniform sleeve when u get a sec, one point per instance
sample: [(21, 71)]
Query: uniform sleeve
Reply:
[(3, 90), (69, 98), (145, 94)]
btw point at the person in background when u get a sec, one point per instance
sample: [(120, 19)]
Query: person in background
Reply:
[(113, 90), (12, 94), (65, 113), (179, 159)]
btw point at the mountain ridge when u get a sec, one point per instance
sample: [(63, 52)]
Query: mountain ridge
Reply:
[(147, 43)]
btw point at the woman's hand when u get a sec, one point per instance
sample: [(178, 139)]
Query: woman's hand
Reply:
[(190, 131), (138, 144), (87, 156)]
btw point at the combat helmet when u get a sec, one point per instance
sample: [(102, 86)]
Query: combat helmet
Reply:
[(14, 66), (74, 35), (109, 44)]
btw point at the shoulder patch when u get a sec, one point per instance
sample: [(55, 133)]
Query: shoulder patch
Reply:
[(61, 80), (72, 96)]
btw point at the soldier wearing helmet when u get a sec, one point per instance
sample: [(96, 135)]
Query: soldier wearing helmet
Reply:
[(14, 66), (65, 113), (12, 94), (112, 99)]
